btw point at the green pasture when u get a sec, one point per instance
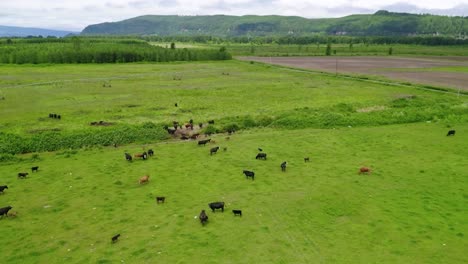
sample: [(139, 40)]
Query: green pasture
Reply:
[(410, 209), (224, 91)]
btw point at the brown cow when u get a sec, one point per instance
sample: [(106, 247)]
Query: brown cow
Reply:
[(144, 179), (364, 170), (143, 155)]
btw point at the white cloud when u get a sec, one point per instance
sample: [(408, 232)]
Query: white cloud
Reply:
[(77, 14)]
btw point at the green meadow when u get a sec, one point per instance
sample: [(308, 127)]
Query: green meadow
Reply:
[(410, 209)]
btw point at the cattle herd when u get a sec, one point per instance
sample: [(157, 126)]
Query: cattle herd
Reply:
[(203, 217)]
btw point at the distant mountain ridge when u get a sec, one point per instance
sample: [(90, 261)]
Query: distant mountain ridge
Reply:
[(382, 23), (9, 31)]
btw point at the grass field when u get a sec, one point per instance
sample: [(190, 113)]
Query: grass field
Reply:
[(411, 209)]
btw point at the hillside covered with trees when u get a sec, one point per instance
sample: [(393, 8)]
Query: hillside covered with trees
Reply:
[(382, 23)]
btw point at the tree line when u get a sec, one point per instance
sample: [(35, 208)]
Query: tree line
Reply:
[(82, 50)]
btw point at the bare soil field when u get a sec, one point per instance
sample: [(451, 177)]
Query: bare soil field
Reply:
[(383, 66)]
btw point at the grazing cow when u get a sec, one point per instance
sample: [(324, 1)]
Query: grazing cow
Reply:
[(115, 238), (35, 169), (194, 136), (214, 150), (51, 115), (4, 210), (283, 166), (171, 131), (237, 212), (54, 115), (144, 179), (203, 217), (143, 155), (184, 137), (128, 157), (203, 142), (306, 159), (23, 174), (261, 156), (249, 174), (451, 133), (187, 126), (58, 117), (160, 199), (211, 122), (364, 170), (2, 188), (150, 152), (216, 205)]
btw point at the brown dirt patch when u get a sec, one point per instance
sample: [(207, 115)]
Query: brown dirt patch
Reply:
[(380, 66)]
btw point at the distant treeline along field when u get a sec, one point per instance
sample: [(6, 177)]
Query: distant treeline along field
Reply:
[(97, 50)]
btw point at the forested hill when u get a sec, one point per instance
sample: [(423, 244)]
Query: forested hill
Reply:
[(378, 24)]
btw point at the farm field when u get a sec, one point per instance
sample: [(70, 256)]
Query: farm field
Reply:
[(411, 208), (451, 72)]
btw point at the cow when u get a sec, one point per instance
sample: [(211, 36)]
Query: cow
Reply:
[(115, 238), (194, 136), (211, 122), (261, 156), (34, 169), (144, 179), (54, 115), (22, 174), (4, 210), (128, 157), (451, 133), (150, 152), (216, 205), (203, 142), (171, 131), (51, 115), (160, 199), (237, 212), (184, 137), (283, 166), (2, 188), (214, 150), (249, 174), (176, 105), (364, 170), (143, 155), (203, 217), (187, 126), (200, 125), (58, 117), (306, 159)]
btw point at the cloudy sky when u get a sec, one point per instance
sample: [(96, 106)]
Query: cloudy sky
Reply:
[(76, 14)]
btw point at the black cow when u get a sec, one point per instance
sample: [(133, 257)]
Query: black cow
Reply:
[(237, 212), (58, 117), (51, 115), (216, 205), (211, 122), (160, 199), (283, 166), (249, 174), (34, 169), (451, 133), (214, 150), (176, 105), (2, 188), (203, 142), (203, 217), (4, 210), (261, 156), (128, 157), (23, 174), (171, 131), (115, 238), (150, 152), (306, 159)]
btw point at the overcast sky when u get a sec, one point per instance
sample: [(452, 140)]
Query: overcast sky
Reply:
[(77, 14)]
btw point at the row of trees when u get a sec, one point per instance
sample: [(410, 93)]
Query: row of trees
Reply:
[(79, 51), (321, 39)]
